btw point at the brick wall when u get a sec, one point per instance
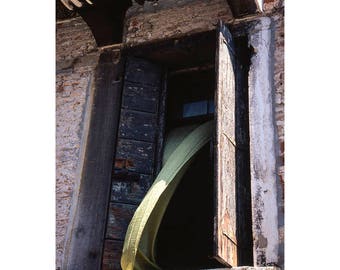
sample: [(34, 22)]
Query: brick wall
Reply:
[(279, 83), (272, 5), (73, 39), (173, 18), (75, 65)]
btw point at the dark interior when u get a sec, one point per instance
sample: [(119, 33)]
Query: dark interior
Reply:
[(184, 239), (185, 88)]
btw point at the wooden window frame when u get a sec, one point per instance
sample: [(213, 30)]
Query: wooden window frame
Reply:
[(91, 210)]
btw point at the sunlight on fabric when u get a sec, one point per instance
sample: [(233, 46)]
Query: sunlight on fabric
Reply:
[(139, 244)]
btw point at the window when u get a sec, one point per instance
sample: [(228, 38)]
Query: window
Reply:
[(195, 92), (190, 97), (197, 108)]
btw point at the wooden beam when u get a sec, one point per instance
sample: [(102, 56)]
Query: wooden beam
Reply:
[(86, 241), (242, 8)]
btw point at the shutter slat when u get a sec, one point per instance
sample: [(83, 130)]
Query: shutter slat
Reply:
[(225, 150)]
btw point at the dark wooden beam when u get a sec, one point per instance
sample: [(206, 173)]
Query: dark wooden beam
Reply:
[(242, 8), (105, 19), (86, 240)]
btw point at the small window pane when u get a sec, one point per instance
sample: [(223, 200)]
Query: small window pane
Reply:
[(211, 105), (195, 108)]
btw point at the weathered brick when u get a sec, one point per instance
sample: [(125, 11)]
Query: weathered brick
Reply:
[(272, 5), (72, 84), (74, 39), (279, 105)]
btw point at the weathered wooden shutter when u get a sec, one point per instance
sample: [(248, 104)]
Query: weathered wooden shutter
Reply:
[(138, 143), (225, 239)]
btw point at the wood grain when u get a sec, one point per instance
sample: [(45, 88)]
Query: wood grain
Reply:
[(140, 153), (138, 126), (119, 218), (112, 253), (143, 72), (140, 97), (225, 150), (130, 191), (86, 242), (134, 162)]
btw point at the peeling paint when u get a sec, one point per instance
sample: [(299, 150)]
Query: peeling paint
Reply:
[(262, 144)]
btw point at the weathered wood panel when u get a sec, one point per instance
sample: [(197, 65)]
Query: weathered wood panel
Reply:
[(130, 191), (138, 125), (161, 122), (119, 218), (112, 253), (134, 163), (123, 172), (140, 154), (84, 250), (143, 72), (140, 97), (225, 151)]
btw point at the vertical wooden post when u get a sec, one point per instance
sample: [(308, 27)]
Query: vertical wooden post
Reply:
[(225, 226), (85, 243)]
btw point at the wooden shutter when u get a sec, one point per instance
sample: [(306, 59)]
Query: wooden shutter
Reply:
[(225, 241), (138, 143)]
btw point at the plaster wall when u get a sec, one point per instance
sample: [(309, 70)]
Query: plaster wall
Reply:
[(262, 145), (76, 59), (266, 113)]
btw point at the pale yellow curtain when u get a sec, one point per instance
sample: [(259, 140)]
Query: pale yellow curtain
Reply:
[(181, 147)]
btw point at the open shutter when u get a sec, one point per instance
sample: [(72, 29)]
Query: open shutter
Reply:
[(225, 150), (135, 164)]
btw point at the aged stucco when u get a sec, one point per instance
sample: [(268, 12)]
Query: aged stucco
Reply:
[(262, 144), (75, 66)]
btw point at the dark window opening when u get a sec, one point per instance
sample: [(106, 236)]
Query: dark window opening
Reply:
[(185, 237), (190, 98)]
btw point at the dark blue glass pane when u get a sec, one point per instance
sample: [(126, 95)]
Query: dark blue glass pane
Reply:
[(195, 108), (211, 105)]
